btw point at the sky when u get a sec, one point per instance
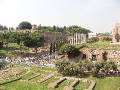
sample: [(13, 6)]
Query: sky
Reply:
[(96, 15)]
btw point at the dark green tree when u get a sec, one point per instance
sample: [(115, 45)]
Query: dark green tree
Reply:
[(24, 25), (3, 27), (69, 50), (33, 41)]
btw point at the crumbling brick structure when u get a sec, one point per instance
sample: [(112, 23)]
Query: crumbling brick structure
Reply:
[(101, 54), (116, 33)]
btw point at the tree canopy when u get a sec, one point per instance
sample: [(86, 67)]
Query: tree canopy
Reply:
[(3, 27), (70, 29), (33, 40), (69, 50), (24, 25)]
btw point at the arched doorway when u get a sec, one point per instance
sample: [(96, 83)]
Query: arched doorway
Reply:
[(104, 55), (84, 57), (94, 57)]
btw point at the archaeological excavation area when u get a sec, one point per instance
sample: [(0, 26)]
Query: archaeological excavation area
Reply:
[(19, 77)]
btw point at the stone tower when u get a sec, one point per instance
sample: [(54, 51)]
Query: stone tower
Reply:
[(116, 33)]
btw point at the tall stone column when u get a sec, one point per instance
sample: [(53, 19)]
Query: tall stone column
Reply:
[(82, 38), (77, 38), (79, 35), (72, 40)]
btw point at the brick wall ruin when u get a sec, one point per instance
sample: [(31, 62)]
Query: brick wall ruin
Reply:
[(101, 54), (116, 33)]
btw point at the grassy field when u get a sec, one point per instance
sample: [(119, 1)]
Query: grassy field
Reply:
[(12, 47), (82, 86), (34, 85), (101, 45), (110, 83)]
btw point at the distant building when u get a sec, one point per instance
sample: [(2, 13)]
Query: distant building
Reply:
[(34, 27), (116, 33), (90, 35)]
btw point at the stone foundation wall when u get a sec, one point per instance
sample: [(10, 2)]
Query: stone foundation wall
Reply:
[(114, 55), (101, 54), (116, 33)]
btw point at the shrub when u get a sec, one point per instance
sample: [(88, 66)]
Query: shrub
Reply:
[(67, 68), (93, 39), (102, 69), (81, 46), (1, 44), (69, 50), (106, 38), (84, 68)]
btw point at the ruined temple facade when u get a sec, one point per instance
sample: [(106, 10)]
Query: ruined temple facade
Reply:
[(53, 39), (77, 38), (116, 33)]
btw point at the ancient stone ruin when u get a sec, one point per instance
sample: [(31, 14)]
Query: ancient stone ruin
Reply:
[(53, 37), (77, 38), (116, 33), (101, 54)]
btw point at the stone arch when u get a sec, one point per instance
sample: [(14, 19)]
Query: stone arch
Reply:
[(84, 56), (94, 57)]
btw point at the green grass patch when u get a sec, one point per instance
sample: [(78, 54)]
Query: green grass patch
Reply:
[(82, 86), (110, 83), (9, 49), (100, 45)]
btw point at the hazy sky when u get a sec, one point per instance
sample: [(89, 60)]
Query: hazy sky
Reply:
[(97, 15)]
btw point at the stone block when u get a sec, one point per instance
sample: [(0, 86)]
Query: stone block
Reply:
[(56, 83), (92, 85), (68, 88)]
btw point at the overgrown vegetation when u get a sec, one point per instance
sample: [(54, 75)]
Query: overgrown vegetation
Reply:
[(69, 50), (110, 83), (85, 68), (19, 41), (100, 45)]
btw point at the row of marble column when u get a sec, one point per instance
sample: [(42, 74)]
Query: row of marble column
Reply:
[(78, 38)]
